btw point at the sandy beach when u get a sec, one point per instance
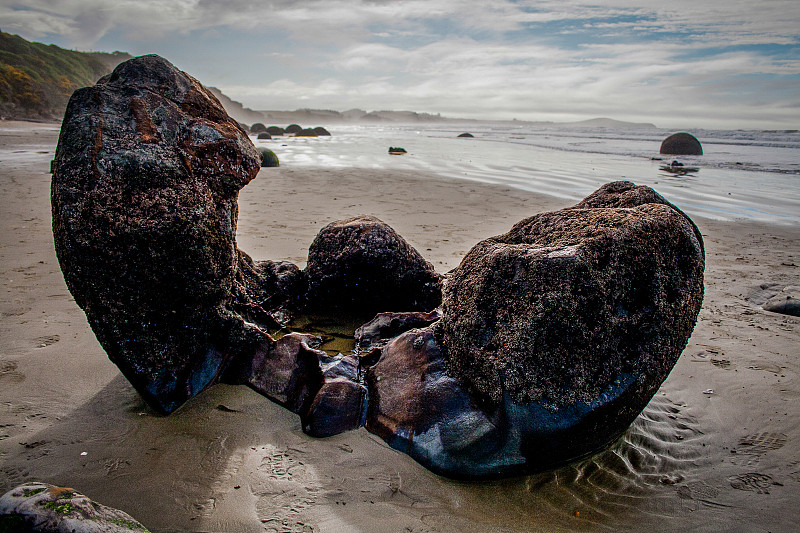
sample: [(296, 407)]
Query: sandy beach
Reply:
[(716, 449)]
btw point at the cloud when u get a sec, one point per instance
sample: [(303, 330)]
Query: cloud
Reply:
[(533, 59)]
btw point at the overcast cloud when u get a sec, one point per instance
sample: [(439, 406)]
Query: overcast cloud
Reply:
[(717, 63)]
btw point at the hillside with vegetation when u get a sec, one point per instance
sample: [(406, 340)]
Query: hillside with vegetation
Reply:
[(36, 80)]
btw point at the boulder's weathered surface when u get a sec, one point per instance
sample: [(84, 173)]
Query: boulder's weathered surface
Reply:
[(553, 337), (322, 132), (144, 188), (681, 144), (628, 194), (362, 263), (275, 130), (40, 507)]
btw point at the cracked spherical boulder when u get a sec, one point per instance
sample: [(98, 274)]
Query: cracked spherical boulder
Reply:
[(553, 338), (146, 175), (363, 264)]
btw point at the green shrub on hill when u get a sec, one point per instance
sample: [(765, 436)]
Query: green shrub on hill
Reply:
[(36, 80)]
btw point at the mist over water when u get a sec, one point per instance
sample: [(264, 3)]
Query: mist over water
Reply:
[(742, 175)]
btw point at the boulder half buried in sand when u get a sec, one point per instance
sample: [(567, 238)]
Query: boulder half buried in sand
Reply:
[(42, 507), (146, 176), (268, 158), (553, 338), (681, 144)]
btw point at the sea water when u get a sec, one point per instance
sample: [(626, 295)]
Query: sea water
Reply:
[(749, 175)]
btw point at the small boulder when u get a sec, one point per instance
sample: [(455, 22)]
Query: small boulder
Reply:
[(786, 302), (293, 128), (43, 507), (264, 135), (275, 130), (319, 130), (386, 326), (469, 135), (268, 158), (363, 264), (681, 144), (397, 150)]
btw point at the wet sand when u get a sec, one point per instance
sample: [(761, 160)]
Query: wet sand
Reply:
[(717, 448)]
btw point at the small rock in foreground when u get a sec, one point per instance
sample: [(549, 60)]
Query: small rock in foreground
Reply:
[(40, 507)]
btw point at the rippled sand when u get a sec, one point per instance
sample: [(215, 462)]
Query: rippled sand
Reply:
[(716, 448)]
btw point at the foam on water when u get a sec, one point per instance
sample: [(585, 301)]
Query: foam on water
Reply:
[(742, 175)]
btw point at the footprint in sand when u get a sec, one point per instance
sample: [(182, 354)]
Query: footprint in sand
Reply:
[(44, 342), (760, 443), (753, 481), (285, 488), (9, 373)]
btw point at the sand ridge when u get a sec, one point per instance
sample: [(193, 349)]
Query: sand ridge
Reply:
[(716, 448)]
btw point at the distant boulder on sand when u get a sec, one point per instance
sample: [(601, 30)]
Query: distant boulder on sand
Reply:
[(293, 128), (306, 132), (268, 158), (321, 131), (275, 130), (681, 144), (264, 135), (465, 134), (258, 128)]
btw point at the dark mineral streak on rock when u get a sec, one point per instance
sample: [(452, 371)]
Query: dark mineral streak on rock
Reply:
[(146, 174), (362, 263)]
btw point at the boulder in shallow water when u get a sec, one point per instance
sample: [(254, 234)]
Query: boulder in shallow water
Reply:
[(42, 507), (681, 144), (322, 132), (293, 128), (258, 127), (467, 135), (306, 132), (146, 176), (362, 264), (275, 130)]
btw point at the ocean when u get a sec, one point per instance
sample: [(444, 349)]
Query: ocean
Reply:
[(743, 174)]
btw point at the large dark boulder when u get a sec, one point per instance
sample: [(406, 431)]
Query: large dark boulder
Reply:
[(306, 132), (363, 264), (293, 128), (322, 132), (681, 144), (275, 130), (258, 127), (553, 338), (146, 175)]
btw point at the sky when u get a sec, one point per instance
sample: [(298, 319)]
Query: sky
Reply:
[(675, 63)]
